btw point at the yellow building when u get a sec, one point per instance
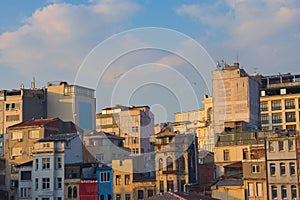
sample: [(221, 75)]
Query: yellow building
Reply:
[(280, 102), (130, 181), (134, 123), (200, 122)]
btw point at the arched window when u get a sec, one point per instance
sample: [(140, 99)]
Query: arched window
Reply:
[(180, 164), (169, 164), (160, 164), (69, 192), (74, 192)]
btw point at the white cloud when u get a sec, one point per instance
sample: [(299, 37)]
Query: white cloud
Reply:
[(59, 36), (257, 28)]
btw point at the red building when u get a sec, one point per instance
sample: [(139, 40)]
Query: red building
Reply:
[(88, 189)]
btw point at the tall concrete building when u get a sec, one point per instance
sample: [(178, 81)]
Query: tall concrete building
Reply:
[(134, 123), (235, 96), (21, 105), (280, 102), (72, 103)]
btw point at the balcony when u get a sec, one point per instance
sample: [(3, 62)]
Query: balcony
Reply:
[(276, 121)]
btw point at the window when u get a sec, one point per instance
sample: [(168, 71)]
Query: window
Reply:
[(118, 196), (69, 192), (255, 169), (276, 105), (290, 117), (100, 157), (160, 164), (25, 175), (245, 153), (59, 182), (226, 155), (161, 186), (170, 185), (59, 162), (274, 191), (118, 179), (74, 192), (150, 193), (127, 179), (36, 184), (271, 146), (276, 118), (108, 197), (283, 192), (169, 164), (180, 164), (259, 189), (36, 164), (16, 151), (250, 189), (46, 183), (264, 118), (33, 133), (280, 145), (46, 163), (292, 169), (135, 129), (11, 118), (289, 104), (294, 191), (25, 192), (282, 168), (291, 145), (127, 196), (16, 135), (264, 106), (101, 197), (272, 169), (140, 194), (104, 177)]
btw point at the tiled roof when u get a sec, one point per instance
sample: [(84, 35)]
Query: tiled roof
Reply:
[(179, 196), (35, 122), (59, 137)]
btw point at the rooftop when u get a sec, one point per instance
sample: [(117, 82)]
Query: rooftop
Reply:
[(36, 122), (179, 196), (59, 137)]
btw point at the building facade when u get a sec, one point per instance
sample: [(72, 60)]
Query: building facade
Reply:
[(50, 155), (134, 123), (280, 102), (72, 103), (235, 96), (282, 162)]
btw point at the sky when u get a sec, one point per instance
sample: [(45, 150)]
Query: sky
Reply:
[(156, 53)]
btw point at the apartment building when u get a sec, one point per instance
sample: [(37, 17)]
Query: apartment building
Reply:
[(50, 155), (175, 160), (131, 179), (21, 105), (282, 161), (235, 96), (200, 122), (280, 102), (134, 123), (105, 147), (72, 103)]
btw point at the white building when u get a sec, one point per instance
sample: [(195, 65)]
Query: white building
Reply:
[(49, 158), (25, 181), (72, 103)]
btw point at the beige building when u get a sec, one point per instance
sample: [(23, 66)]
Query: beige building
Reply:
[(175, 160), (199, 122), (280, 102), (134, 123), (282, 161), (105, 147), (21, 105), (235, 96), (130, 181)]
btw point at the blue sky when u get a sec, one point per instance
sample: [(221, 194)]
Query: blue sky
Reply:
[(50, 40)]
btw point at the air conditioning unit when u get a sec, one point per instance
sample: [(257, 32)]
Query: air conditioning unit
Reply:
[(12, 157), (20, 139)]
